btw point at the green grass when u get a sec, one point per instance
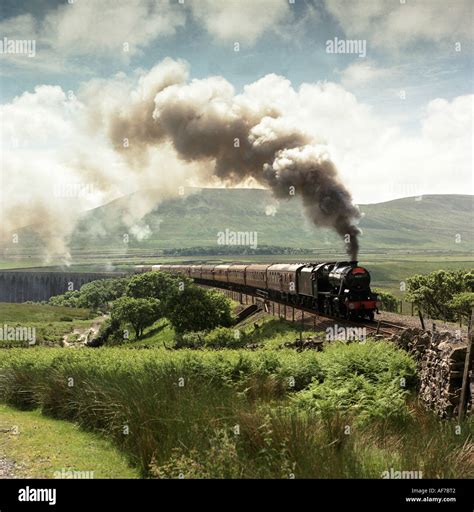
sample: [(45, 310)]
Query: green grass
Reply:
[(28, 313), (51, 323), (176, 412), (39, 446), (159, 335), (270, 334)]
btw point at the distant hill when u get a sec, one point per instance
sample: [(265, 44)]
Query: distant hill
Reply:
[(431, 223)]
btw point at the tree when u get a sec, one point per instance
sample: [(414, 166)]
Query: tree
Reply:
[(94, 295), (70, 299), (197, 309), (140, 313), (158, 285), (434, 292), (462, 304)]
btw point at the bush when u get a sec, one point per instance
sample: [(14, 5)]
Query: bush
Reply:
[(69, 299), (93, 295), (462, 304), (225, 337), (369, 380), (193, 339), (388, 301), (221, 337)]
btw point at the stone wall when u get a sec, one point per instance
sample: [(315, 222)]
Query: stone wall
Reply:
[(441, 357)]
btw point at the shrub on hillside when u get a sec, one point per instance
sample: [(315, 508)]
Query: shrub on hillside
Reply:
[(220, 337), (369, 380), (225, 337), (193, 339), (388, 301), (462, 304)]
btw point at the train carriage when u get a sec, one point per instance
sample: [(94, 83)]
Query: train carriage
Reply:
[(221, 273), (195, 271), (256, 276), (181, 269), (207, 272), (236, 274), (283, 277)]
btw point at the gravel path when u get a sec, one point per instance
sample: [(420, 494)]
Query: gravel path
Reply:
[(414, 321), (84, 334), (7, 468)]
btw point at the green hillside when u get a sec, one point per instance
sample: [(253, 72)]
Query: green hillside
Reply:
[(195, 219), (430, 223)]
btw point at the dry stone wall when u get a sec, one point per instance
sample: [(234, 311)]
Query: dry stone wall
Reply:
[(441, 358)]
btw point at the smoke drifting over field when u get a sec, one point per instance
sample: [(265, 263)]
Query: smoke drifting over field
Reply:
[(234, 137)]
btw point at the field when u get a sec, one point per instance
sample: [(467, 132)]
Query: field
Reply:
[(40, 313), (349, 411), (50, 324)]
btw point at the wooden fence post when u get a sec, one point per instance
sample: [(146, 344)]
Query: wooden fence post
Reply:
[(302, 326), (465, 376), (421, 319)]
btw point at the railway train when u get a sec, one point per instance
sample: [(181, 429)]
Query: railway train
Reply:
[(339, 289)]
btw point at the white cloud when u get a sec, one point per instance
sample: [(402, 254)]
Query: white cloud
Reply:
[(89, 27), (125, 28), (396, 25), (378, 158), (240, 20), (362, 73)]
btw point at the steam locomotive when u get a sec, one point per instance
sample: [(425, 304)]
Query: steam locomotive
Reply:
[(339, 289)]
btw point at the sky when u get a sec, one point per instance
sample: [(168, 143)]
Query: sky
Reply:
[(385, 85)]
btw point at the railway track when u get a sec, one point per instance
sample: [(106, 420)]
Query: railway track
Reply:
[(308, 316), (383, 328)]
